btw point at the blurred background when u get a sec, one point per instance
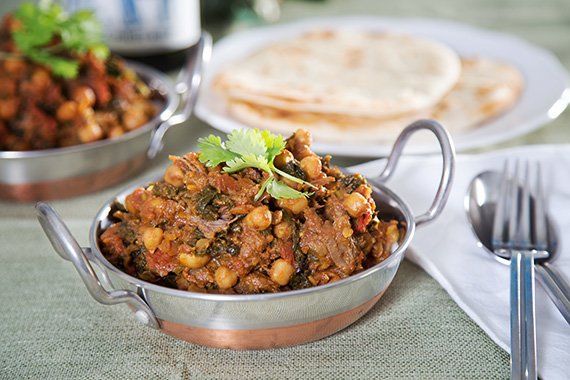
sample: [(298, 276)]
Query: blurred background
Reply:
[(545, 23), (535, 20)]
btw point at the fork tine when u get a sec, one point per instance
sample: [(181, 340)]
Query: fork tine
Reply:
[(501, 213), (523, 233), (513, 199), (540, 225)]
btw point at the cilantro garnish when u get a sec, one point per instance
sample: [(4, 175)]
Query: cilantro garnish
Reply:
[(47, 35), (251, 148)]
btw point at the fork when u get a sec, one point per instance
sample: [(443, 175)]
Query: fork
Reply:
[(520, 234)]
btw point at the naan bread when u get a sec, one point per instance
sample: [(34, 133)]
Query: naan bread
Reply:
[(485, 89), (349, 72)]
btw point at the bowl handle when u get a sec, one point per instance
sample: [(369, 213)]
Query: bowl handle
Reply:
[(66, 246), (187, 86), (448, 170)]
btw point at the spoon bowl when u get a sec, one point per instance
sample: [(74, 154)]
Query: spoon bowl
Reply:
[(480, 203)]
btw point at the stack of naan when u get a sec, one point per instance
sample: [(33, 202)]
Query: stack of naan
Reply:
[(363, 86)]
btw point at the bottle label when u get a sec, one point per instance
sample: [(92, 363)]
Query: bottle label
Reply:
[(145, 26)]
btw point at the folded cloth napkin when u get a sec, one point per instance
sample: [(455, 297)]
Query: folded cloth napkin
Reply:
[(447, 249)]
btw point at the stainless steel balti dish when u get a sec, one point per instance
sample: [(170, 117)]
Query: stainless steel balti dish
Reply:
[(71, 171), (259, 320)]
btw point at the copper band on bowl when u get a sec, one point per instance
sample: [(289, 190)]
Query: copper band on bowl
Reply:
[(74, 186), (270, 337)]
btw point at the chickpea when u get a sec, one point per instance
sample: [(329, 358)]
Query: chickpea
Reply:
[(392, 233), (152, 237), (296, 206), (155, 203), (259, 218), (133, 119), (174, 175), (134, 200), (193, 261), (88, 113), (225, 277), (303, 151), (312, 166), (281, 272), (14, 66), (202, 244), (40, 79), (283, 159), (9, 108), (312, 280), (116, 132), (90, 132), (282, 230), (8, 87), (84, 96), (152, 208), (66, 111), (130, 205), (364, 190), (356, 205), (303, 137)]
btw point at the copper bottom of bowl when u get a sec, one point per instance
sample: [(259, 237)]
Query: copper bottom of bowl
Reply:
[(73, 186), (254, 339)]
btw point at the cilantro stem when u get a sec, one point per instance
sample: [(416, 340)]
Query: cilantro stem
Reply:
[(5, 55), (290, 177), (263, 187), (56, 48)]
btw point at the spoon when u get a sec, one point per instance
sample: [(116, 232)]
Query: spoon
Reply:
[(480, 202)]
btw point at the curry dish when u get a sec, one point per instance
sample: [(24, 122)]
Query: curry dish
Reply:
[(205, 230), (39, 110)]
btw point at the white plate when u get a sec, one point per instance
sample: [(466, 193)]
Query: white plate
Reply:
[(545, 96)]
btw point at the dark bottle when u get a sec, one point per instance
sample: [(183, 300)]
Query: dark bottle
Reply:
[(156, 32)]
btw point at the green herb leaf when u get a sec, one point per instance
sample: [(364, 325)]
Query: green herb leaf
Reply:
[(250, 148), (214, 151), (247, 161), (49, 36), (280, 190), (274, 144), (100, 50), (246, 141), (65, 68)]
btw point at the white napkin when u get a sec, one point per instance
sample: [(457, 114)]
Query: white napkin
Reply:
[(447, 250)]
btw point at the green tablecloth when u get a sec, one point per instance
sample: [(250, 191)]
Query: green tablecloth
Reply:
[(51, 328)]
